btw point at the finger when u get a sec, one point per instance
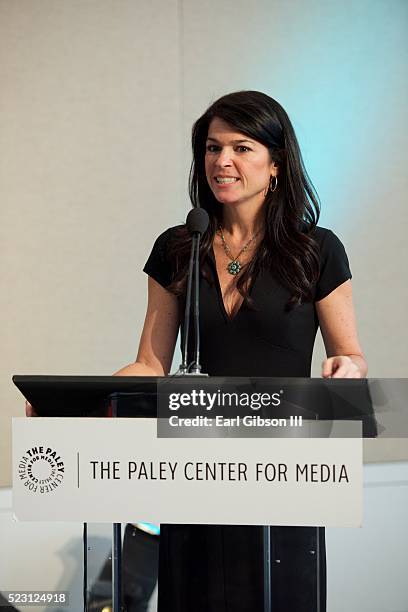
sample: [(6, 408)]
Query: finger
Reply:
[(29, 410), (347, 371), (352, 371), (327, 368), (341, 370)]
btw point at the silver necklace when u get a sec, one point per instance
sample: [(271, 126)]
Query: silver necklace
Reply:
[(235, 266)]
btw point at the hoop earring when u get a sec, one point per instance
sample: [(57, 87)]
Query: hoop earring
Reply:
[(273, 186)]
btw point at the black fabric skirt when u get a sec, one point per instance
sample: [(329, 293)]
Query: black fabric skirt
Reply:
[(211, 568)]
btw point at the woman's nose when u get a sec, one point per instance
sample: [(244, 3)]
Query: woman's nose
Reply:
[(224, 158)]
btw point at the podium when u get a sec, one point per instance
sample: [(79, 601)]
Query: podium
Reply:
[(322, 403)]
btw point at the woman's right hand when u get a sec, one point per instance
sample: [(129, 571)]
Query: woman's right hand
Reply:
[(29, 410)]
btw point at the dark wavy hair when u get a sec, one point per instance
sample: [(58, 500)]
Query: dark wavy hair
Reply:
[(291, 212)]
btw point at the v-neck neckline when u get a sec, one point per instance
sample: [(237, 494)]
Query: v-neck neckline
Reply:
[(228, 318)]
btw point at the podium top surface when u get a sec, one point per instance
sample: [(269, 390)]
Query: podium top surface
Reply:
[(91, 396), (79, 395)]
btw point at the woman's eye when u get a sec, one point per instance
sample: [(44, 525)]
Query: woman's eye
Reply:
[(212, 148), (215, 148)]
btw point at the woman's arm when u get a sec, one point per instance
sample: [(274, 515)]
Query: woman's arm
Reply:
[(337, 320), (159, 334)]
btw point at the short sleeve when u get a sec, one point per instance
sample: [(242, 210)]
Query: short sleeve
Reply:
[(158, 265), (334, 264)]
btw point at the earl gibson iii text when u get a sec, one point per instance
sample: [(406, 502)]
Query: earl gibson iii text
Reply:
[(212, 403)]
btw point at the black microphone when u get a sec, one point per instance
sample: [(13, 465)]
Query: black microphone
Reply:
[(197, 222)]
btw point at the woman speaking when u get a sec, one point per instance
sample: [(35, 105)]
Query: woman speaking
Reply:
[(270, 277)]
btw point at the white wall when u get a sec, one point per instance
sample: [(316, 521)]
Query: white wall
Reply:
[(367, 567)]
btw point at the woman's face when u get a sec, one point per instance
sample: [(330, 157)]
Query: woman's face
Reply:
[(238, 168)]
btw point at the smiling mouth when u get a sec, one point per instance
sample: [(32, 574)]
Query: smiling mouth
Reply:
[(221, 180)]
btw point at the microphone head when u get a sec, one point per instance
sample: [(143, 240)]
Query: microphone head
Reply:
[(197, 221)]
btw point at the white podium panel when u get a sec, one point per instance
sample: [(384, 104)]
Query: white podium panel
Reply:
[(117, 470)]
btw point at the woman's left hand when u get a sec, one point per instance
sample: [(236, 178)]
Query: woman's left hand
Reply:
[(340, 366)]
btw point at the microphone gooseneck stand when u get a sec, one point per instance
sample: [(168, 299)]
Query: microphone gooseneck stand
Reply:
[(184, 367), (196, 367), (197, 223)]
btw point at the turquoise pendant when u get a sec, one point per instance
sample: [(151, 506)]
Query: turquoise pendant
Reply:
[(234, 267)]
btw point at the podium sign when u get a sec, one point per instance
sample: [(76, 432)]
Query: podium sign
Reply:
[(118, 470)]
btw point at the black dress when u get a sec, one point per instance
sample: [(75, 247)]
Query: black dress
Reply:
[(210, 568)]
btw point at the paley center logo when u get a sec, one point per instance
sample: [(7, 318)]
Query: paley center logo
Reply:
[(41, 469)]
